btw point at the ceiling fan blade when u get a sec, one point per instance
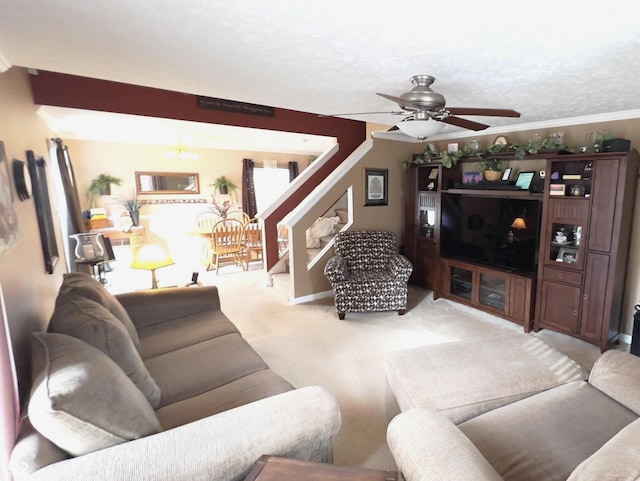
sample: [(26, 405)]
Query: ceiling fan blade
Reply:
[(464, 123), (400, 101), (395, 127), (486, 112), (364, 113)]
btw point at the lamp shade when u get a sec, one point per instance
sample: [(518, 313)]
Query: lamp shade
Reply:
[(519, 223), (151, 256), (420, 129)]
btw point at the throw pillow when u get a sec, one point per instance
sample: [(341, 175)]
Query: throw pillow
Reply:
[(81, 400), (92, 323), (84, 285)]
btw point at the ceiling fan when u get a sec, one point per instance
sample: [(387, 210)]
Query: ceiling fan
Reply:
[(428, 112)]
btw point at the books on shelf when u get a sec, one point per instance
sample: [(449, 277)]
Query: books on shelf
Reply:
[(571, 177)]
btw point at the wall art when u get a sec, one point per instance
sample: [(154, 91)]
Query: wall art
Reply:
[(8, 217), (37, 171)]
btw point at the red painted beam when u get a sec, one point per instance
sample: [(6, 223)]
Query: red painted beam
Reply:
[(62, 90)]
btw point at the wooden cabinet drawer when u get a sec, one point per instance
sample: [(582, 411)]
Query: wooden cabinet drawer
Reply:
[(560, 275)]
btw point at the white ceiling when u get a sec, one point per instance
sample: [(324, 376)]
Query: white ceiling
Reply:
[(548, 60)]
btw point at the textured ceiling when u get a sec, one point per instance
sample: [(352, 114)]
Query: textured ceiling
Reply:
[(547, 60)]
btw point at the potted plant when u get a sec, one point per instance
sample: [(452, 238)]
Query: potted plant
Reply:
[(101, 185), (224, 186), (132, 204), (491, 168)]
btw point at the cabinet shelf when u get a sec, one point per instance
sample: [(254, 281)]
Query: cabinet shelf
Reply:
[(505, 194)]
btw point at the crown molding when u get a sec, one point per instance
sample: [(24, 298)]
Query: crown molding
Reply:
[(506, 129), (4, 63), (545, 124)]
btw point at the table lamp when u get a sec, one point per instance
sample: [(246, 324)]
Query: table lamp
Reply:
[(517, 224), (151, 257)]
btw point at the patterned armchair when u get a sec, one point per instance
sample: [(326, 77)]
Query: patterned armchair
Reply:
[(367, 274)]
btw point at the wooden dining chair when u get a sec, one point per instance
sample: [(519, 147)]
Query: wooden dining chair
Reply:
[(239, 215), (204, 223), (227, 242), (252, 240)]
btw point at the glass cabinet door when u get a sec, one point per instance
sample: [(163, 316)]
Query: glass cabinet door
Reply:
[(566, 240), (493, 290), (461, 283), (427, 211)]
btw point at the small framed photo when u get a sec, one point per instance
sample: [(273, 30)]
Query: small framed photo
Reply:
[(556, 189), (452, 147), (506, 174), (567, 255), (471, 177), (376, 186)]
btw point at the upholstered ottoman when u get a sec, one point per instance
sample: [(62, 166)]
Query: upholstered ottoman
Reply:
[(468, 378)]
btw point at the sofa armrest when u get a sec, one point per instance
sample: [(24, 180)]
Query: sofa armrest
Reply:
[(336, 270), (427, 446), (296, 424), (153, 306), (616, 374), (400, 267)]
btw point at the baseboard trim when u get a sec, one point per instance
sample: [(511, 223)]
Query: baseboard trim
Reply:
[(310, 297), (626, 338)]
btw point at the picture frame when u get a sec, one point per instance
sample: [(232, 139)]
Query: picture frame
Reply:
[(506, 174), (471, 177), (376, 187), (37, 171), (557, 189), (452, 147), (9, 232), (567, 255)]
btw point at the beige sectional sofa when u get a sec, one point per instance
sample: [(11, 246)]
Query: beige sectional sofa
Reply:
[(158, 385), (580, 431)]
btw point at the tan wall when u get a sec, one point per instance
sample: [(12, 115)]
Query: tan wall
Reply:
[(29, 292), (574, 136), (385, 154), (166, 224)]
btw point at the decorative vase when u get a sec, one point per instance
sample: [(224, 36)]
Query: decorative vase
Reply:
[(492, 175), (135, 217), (224, 190), (88, 246)]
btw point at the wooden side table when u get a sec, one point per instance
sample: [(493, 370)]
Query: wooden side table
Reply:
[(272, 468)]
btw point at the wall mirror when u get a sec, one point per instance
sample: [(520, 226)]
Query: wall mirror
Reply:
[(167, 183)]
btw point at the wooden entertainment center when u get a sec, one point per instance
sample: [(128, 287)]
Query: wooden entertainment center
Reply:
[(582, 234)]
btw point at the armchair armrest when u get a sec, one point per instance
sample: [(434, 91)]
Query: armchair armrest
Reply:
[(400, 267), (427, 446), (154, 306), (223, 447), (336, 269)]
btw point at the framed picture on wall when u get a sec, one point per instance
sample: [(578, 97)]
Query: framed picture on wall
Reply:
[(376, 186), (37, 171)]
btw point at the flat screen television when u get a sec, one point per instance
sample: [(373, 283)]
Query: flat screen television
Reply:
[(479, 229)]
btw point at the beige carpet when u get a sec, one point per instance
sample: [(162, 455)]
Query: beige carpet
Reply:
[(307, 344)]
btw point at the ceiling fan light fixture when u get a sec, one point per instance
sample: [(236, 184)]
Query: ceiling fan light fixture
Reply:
[(420, 129)]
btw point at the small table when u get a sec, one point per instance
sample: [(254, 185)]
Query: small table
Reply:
[(272, 468)]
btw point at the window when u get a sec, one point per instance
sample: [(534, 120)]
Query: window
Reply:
[(269, 184)]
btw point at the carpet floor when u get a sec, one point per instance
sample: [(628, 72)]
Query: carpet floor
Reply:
[(308, 345)]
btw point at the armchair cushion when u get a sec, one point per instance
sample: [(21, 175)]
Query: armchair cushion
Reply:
[(81, 400), (366, 250)]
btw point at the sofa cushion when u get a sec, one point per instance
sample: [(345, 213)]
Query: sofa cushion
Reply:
[(618, 459), (548, 435), (196, 369), (84, 319), (32, 451), (84, 285), (168, 336), (467, 378), (81, 400), (247, 389)]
